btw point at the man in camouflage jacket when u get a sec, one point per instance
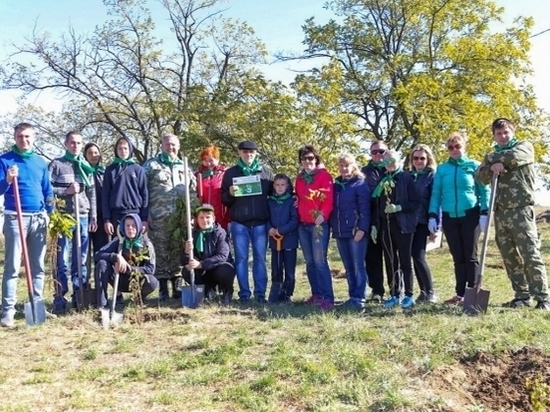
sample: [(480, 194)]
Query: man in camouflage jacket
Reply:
[(166, 183), (515, 227)]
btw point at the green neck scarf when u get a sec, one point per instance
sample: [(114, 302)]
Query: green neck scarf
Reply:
[(135, 242), (280, 199), (341, 182), (165, 159), (378, 165), (25, 154), (120, 161), (308, 177), (386, 184), (207, 173), (249, 170), (416, 173), (511, 143), (199, 243), (98, 169), (83, 168)]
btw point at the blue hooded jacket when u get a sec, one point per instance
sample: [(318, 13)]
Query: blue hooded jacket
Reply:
[(352, 201), (284, 217)]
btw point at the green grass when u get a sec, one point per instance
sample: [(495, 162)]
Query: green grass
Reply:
[(266, 358)]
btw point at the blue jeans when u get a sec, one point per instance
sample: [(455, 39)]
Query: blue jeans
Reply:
[(352, 254), (35, 228), (314, 243), (242, 237), (66, 259)]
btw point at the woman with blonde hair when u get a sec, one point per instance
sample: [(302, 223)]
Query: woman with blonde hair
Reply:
[(422, 166), (209, 182), (464, 203), (350, 221)]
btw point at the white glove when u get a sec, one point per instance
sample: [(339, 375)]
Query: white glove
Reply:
[(432, 225), (483, 223)]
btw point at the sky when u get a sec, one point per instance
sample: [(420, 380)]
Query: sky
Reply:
[(276, 23)]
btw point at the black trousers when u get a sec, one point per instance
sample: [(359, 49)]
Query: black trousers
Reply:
[(421, 269), (397, 255), (374, 265), (221, 276), (99, 238), (105, 275), (462, 234)]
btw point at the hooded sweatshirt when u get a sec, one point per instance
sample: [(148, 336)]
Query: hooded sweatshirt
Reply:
[(138, 252), (125, 189)]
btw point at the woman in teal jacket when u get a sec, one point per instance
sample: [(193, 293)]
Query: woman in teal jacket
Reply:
[(464, 204)]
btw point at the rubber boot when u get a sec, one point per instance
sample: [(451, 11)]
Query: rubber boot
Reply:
[(163, 290), (176, 287)]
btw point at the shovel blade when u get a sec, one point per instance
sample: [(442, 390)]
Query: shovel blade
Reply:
[(105, 318), (39, 314), (275, 292), (192, 297), (475, 301), (86, 298), (116, 318)]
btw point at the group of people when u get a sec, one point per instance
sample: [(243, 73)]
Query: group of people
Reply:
[(380, 215)]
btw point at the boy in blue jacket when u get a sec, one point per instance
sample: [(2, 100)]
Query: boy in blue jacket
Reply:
[(282, 229)]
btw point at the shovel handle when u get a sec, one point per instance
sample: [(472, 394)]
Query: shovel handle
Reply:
[(278, 242)]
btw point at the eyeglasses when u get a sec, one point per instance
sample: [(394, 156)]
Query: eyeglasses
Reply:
[(308, 158), (415, 158), (454, 147), (378, 152)]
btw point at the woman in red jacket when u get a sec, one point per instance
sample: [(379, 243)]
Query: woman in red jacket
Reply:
[(209, 183), (314, 188)]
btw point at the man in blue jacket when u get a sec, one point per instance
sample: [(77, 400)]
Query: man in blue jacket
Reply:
[(36, 195), (211, 261)]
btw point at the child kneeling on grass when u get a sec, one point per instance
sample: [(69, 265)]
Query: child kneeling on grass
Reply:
[(282, 229), (211, 260), (133, 257)]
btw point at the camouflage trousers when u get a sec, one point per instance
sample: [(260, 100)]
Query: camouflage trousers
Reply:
[(167, 262), (519, 245)]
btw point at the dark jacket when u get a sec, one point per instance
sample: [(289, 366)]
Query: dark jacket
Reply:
[(125, 190), (140, 258), (283, 217), (423, 184), (351, 207), (403, 194), (373, 174), (216, 249), (247, 210)]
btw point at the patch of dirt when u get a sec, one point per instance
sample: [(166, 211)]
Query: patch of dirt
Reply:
[(498, 382), (155, 314), (495, 265), (338, 273)]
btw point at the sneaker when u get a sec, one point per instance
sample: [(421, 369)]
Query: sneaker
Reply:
[(455, 300), (8, 320), (431, 297), (353, 304), (392, 302), (407, 302), (227, 298), (543, 305), (422, 297), (326, 304), (517, 303), (375, 298), (314, 300), (261, 300), (59, 305)]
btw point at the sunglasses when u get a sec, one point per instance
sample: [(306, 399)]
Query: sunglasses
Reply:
[(454, 147), (418, 158), (378, 152), (308, 158)]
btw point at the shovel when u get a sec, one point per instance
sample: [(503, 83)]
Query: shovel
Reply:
[(191, 296), (35, 310), (111, 316), (84, 296), (476, 300), (277, 282)]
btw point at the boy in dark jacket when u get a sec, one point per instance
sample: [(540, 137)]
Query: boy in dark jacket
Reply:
[(131, 255), (282, 229), (124, 188), (211, 260)]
